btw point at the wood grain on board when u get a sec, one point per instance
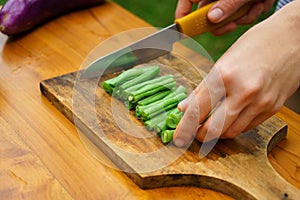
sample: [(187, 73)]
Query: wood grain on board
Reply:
[(237, 167), (42, 155)]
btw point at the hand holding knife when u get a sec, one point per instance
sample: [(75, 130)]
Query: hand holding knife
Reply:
[(160, 42)]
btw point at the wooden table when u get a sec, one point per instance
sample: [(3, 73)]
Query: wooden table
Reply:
[(41, 154)]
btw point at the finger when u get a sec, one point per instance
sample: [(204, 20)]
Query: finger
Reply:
[(268, 5), (224, 117), (244, 119), (200, 103), (256, 121), (251, 17), (223, 9), (213, 127), (196, 109), (182, 106), (225, 29), (202, 91), (184, 7), (203, 3), (253, 14), (265, 115), (252, 115), (209, 92), (188, 125)]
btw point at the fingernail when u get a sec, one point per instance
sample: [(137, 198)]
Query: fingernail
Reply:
[(179, 142), (215, 14), (181, 104)]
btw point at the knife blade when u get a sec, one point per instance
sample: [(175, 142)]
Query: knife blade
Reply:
[(158, 43)]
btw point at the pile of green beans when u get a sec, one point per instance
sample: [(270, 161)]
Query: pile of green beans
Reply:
[(153, 98)]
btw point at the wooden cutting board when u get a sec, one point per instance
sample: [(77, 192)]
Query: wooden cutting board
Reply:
[(238, 167)]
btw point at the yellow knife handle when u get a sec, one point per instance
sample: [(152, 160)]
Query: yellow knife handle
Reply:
[(197, 22)]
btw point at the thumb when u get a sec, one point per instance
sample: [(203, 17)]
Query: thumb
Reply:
[(223, 9)]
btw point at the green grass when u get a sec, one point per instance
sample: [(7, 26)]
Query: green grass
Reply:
[(161, 14)]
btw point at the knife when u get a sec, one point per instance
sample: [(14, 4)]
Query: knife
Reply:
[(158, 43)]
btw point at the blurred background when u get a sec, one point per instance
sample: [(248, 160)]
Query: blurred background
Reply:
[(160, 14)]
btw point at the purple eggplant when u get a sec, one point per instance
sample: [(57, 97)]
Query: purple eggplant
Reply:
[(19, 16)]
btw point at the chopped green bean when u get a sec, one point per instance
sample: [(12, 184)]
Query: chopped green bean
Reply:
[(167, 136), (148, 90), (173, 118), (153, 98), (110, 84)]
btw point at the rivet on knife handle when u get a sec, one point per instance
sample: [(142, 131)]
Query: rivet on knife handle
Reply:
[(196, 22)]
